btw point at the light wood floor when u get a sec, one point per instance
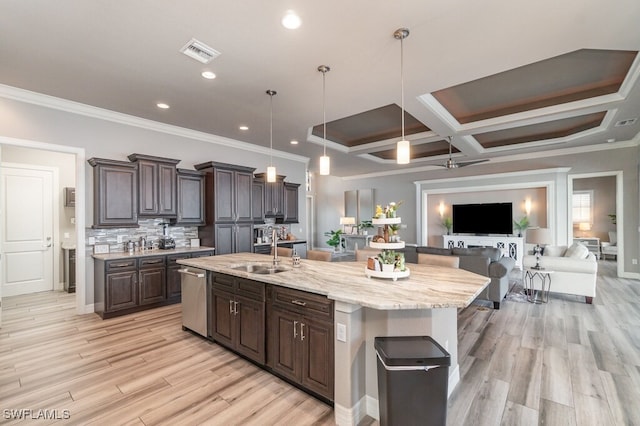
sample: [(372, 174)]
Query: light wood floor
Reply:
[(563, 363)]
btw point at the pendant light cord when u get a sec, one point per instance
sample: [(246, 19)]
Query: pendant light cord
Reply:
[(324, 114), (402, 82), (271, 130)]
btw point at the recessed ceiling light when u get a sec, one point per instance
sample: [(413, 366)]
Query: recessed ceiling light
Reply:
[(243, 127), (208, 75), (291, 20), (294, 142), (611, 140), (162, 105)]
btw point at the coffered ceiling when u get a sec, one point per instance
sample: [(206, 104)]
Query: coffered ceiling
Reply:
[(497, 79)]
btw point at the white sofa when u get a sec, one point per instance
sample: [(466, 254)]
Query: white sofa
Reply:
[(574, 269)]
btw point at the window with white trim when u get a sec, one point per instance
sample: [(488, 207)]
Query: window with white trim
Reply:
[(582, 205)]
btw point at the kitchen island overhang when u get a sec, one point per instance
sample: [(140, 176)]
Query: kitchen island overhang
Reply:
[(425, 303)]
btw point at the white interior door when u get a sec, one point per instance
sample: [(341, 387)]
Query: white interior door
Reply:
[(26, 237)]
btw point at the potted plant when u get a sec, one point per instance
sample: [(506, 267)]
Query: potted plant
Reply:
[(334, 240), (394, 237), (521, 225), (447, 222), (391, 261), (364, 226)]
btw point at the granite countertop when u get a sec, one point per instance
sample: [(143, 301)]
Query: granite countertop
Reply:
[(427, 287), (146, 253)]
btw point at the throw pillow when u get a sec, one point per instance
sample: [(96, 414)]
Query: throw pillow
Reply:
[(577, 251), (557, 251)]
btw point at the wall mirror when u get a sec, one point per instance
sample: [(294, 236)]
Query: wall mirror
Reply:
[(359, 203)]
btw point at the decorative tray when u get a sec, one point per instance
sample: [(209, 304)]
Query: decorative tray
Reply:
[(394, 275), (387, 246), (386, 221)]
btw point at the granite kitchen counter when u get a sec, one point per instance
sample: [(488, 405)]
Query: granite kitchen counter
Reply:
[(427, 287), (154, 252)]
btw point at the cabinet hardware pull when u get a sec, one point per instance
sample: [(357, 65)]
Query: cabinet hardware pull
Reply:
[(295, 333), (299, 302), (230, 306), (121, 265), (235, 308), (301, 331), (193, 274)]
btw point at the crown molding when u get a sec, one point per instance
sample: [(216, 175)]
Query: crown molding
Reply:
[(65, 105)]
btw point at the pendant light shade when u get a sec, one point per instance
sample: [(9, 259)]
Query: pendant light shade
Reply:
[(403, 149), (271, 170), (325, 165), (325, 161), (403, 152)]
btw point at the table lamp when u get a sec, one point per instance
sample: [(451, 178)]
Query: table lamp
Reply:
[(348, 220), (538, 236), (584, 226)]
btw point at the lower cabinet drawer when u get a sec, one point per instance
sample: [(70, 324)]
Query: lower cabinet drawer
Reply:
[(312, 305)]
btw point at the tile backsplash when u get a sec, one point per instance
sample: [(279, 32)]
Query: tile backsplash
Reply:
[(149, 228)]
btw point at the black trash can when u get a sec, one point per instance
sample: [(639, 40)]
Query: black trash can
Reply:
[(413, 379)]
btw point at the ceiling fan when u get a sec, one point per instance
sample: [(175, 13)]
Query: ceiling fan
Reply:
[(451, 164)]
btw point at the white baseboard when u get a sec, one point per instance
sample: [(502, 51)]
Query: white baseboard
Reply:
[(454, 379), (87, 309), (373, 408), (350, 416)]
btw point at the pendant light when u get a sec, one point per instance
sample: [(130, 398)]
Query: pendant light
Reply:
[(403, 149), (325, 161), (271, 170)]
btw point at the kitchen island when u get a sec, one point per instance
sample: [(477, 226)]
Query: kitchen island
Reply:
[(425, 303)]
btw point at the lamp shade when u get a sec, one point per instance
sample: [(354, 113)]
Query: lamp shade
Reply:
[(271, 174), (584, 226), (325, 165), (348, 220), (539, 236), (403, 152)]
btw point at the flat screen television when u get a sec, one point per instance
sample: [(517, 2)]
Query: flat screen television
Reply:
[(483, 219)]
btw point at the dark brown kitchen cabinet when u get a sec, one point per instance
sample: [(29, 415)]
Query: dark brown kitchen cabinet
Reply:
[(174, 279), (228, 207), (156, 185), (132, 284), (152, 280), (190, 197), (233, 238), (273, 195), (291, 202), (118, 284), (115, 193), (258, 201), (237, 317), (300, 343)]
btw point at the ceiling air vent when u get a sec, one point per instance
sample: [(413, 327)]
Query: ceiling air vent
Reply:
[(627, 122), (199, 51)]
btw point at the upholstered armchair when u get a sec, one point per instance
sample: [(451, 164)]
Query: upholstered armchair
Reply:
[(610, 248)]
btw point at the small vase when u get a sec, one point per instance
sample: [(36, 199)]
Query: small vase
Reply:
[(388, 267)]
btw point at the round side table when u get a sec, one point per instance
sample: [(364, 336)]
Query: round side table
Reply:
[(530, 274)]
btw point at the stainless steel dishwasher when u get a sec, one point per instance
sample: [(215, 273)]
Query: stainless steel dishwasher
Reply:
[(194, 300)]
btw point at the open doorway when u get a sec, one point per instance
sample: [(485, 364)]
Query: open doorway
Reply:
[(67, 220), (595, 214)]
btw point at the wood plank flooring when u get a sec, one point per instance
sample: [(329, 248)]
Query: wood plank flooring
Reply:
[(563, 363)]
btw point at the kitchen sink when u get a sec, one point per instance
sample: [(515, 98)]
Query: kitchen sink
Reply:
[(260, 268)]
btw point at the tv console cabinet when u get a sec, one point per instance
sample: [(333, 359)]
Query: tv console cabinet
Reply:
[(511, 246)]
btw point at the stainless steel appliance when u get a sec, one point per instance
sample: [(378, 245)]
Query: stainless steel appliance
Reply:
[(194, 300), (166, 242)]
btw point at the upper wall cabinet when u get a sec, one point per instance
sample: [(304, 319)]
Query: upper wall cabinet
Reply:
[(291, 202), (115, 193), (190, 197), (156, 185), (273, 195)]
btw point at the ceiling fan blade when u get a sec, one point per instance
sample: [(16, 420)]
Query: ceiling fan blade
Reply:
[(469, 163)]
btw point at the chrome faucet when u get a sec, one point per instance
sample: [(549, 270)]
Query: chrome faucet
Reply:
[(274, 239)]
